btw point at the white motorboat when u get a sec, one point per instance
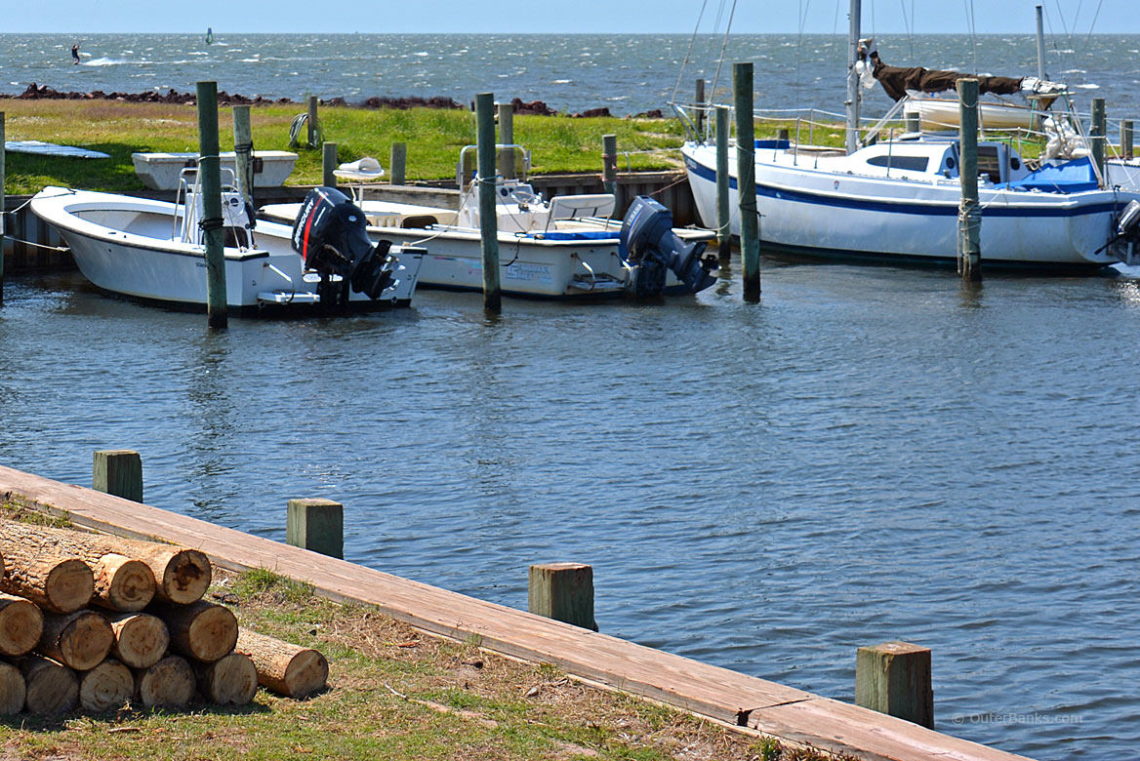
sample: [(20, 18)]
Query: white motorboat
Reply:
[(565, 248), (154, 251), (162, 171)]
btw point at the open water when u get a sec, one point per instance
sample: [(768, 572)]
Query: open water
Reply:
[(870, 454)]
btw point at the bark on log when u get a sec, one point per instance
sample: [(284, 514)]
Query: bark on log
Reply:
[(122, 583), (13, 690), (285, 668), (56, 583), (230, 680), (168, 683), (79, 640), (51, 686), (107, 686), (202, 631), (21, 624), (181, 575), (140, 639)]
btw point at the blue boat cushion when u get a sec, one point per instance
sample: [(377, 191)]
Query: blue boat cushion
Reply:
[(582, 235), (1071, 177)]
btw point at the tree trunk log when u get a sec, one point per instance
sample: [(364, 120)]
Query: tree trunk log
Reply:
[(202, 631), (109, 685), (79, 640), (181, 575), (51, 686), (286, 669), (230, 680), (140, 639), (122, 583), (168, 683), (21, 624), (54, 581), (13, 690)]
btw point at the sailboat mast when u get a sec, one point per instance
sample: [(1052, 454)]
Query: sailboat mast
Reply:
[(855, 13), (1040, 45)]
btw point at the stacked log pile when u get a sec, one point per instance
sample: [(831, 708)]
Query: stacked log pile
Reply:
[(98, 622)]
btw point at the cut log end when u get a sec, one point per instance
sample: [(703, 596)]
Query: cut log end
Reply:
[(307, 674), (285, 668), (69, 586), (80, 640), (140, 639), (21, 625), (13, 691), (51, 687), (106, 687), (186, 578), (122, 583), (231, 680), (168, 683)]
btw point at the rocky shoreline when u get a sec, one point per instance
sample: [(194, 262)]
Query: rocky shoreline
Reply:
[(531, 108)]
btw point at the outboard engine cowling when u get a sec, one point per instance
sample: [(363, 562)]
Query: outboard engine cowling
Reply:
[(331, 235), (1125, 244), (650, 246)]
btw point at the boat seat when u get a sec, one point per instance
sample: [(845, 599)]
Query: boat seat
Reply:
[(418, 221), (583, 205)]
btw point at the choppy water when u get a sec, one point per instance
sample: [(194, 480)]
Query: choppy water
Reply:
[(870, 454), (627, 73)]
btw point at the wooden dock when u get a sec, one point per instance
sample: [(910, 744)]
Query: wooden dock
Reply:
[(789, 714)]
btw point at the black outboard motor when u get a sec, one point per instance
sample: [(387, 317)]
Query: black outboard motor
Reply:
[(330, 234), (650, 246)]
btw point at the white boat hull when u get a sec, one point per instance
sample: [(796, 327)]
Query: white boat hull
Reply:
[(850, 216), (161, 171), (124, 245)]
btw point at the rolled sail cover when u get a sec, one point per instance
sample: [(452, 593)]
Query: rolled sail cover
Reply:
[(896, 80)]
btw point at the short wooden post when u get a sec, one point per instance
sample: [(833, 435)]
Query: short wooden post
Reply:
[(317, 525), (782, 134), (723, 216), (1126, 143), (746, 180), (3, 206), (488, 222), (894, 678), (118, 472), (328, 165), (1097, 136), (564, 592), (209, 166), (609, 169), (313, 124), (397, 163), (699, 106), (913, 122), (506, 158), (969, 210), (243, 152)]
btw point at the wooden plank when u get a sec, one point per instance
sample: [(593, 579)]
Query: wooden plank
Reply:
[(728, 696)]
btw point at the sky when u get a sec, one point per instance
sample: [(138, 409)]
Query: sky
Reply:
[(69, 17)]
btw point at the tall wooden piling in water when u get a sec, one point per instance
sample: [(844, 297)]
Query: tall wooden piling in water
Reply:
[(723, 215), (506, 158), (1126, 141), (118, 472), (700, 105), (488, 223), (211, 222), (1097, 136), (969, 210), (328, 164), (312, 123), (894, 678), (746, 180), (609, 169), (397, 163), (243, 153)]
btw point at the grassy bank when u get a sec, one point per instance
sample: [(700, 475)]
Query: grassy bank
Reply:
[(434, 138)]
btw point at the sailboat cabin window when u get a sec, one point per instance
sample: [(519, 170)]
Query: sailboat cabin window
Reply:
[(910, 163)]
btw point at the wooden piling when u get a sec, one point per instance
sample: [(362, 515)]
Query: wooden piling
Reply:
[(312, 123), (397, 163), (3, 207), (1097, 136), (243, 153), (746, 180), (609, 168), (317, 525), (723, 216), (564, 592), (506, 157), (969, 210), (328, 164), (699, 106), (118, 472), (209, 166), (913, 122), (488, 222), (1126, 143), (894, 678)]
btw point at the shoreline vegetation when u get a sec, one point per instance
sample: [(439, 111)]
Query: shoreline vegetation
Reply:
[(393, 693)]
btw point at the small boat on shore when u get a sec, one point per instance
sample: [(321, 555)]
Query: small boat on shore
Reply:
[(154, 251), (568, 247)]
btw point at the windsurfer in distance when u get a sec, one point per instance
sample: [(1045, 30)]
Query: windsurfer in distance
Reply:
[(75, 53)]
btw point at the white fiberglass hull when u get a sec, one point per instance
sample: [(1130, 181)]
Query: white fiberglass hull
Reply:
[(125, 245), (843, 215)]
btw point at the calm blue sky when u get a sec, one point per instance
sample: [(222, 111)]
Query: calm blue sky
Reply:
[(69, 17)]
